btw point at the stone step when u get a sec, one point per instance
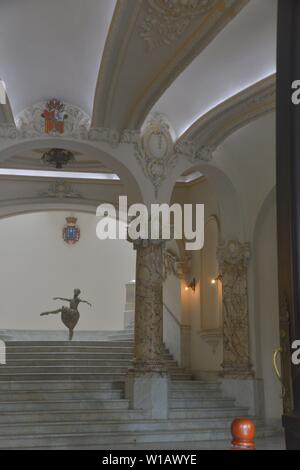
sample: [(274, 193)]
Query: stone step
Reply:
[(62, 369), (207, 412), (79, 440), (60, 363), (63, 405), (69, 349), (126, 363), (194, 385), (187, 394), (66, 427), (49, 396), (201, 403), (64, 376), (37, 417), (55, 385), (55, 344), (76, 355)]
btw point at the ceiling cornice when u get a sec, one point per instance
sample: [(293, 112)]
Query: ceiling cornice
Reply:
[(147, 47)]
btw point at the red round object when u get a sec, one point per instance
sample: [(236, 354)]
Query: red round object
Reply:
[(243, 433)]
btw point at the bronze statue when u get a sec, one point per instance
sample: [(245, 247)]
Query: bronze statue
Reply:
[(69, 315)]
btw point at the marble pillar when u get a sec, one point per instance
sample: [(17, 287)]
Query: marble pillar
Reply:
[(233, 259), (147, 381)]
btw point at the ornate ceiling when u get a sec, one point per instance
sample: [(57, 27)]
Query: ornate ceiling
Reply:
[(207, 65)]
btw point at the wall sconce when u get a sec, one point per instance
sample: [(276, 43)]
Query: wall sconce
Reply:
[(191, 285), (216, 279)]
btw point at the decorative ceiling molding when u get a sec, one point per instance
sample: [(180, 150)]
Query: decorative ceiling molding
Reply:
[(155, 150), (31, 120), (131, 79), (215, 126), (166, 20), (60, 190)]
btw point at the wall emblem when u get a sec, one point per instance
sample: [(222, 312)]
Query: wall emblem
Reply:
[(54, 116), (71, 231)]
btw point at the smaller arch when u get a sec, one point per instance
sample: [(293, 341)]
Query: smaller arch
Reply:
[(230, 214)]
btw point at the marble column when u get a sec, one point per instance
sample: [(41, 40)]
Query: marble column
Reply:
[(233, 259), (147, 382)]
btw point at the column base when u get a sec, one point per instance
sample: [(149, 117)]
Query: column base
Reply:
[(148, 391)]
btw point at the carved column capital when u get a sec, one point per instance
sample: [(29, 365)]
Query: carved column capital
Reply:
[(233, 252)]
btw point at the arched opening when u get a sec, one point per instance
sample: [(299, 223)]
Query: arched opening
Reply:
[(100, 268)]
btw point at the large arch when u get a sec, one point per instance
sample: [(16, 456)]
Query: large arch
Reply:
[(101, 153)]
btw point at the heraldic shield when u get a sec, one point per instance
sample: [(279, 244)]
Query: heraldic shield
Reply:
[(71, 231), (54, 117)]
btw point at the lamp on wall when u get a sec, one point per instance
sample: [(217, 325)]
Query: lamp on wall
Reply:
[(216, 279), (191, 285)]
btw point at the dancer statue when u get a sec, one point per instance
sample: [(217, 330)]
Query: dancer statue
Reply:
[(69, 315)]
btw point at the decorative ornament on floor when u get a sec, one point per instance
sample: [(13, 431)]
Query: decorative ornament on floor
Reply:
[(54, 116), (71, 231), (58, 157)]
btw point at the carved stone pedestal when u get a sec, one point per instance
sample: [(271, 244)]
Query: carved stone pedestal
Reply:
[(148, 391)]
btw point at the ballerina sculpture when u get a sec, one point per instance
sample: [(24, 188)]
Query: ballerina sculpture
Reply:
[(69, 315)]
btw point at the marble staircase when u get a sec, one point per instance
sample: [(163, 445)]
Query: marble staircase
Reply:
[(60, 395)]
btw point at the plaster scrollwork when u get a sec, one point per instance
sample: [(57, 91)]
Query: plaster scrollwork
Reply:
[(233, 258), (155, 150), (31, 121), (94, 134), (188, 149), (167, 20), (60, 190)]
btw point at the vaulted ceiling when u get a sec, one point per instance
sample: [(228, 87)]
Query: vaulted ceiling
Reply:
[(118, 60)]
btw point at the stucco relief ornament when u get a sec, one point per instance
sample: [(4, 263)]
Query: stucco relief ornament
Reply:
[(188, 149), (60, 190), (54, 118), (155, 150), (233, 258), (166, 20)]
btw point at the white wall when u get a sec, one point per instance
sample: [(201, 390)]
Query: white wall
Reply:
[(37, 265), (266, 305)]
